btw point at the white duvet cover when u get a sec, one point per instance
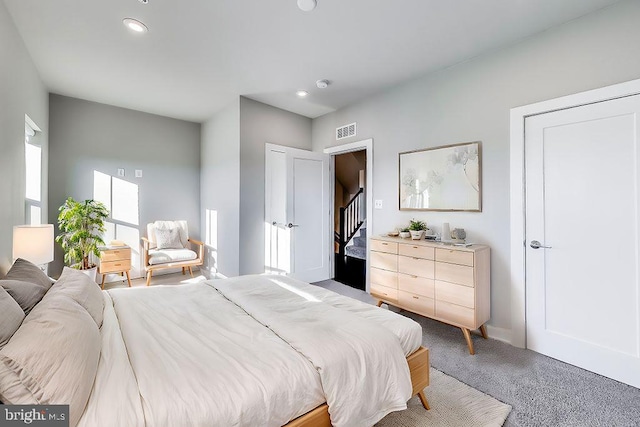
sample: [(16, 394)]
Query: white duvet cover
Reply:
[(188, 356)]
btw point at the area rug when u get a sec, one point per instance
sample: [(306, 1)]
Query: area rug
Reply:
[(453, 404)]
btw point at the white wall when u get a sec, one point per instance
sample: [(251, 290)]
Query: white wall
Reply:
[(87, 136), (21, 92), (471, 101), (220, 190), (261, 124)]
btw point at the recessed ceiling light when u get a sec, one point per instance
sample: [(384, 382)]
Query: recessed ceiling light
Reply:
[(302, 93), (322, 84), (135, 25), (307, 5)]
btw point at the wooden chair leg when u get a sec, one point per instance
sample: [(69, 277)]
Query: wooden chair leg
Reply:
[(423, 399), (483, 331), (149, 274), (190, 271), (379, 303), (183, 273), (467, 336)]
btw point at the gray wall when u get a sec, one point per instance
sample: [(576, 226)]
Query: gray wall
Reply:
[(21, 92), (261, 124), (471, 101), (87, 136), (220, 190)]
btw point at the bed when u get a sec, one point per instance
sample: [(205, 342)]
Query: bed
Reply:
[(253, 350)]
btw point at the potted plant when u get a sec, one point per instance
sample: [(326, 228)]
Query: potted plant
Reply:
[(417, 229), (81, 226), (405, 233)]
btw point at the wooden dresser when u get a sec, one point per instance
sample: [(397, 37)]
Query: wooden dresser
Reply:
[(444, 282), (115, 259)]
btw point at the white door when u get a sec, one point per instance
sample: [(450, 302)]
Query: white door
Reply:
[(582, 195), (297, 213)]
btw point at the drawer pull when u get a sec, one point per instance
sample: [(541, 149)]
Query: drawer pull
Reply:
[(414, 277), (384, 244), (117, 265), (415, 297), (416, 258), (414, 247)]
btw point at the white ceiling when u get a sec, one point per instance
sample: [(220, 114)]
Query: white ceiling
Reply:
[(201, 54)]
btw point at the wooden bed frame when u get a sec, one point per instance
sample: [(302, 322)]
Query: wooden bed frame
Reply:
[(419, 368)]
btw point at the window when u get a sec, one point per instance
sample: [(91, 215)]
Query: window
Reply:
[(33, 171)]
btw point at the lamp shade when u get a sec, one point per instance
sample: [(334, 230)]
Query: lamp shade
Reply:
[(33, 243)]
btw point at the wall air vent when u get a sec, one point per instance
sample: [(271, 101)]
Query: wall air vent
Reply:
[(346, 131)]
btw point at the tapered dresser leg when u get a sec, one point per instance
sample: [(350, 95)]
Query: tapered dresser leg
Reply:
[(379, 303), (423, 399), (483, 331), (467, 336), (128, 278), (102, 284)]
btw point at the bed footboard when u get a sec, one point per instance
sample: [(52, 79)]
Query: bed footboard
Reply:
[(418, 366)]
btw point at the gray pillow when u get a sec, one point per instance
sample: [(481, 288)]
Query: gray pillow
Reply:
[(168, 238), (53, 357), (11, 317), (25, 271), (81, 289), (26, 294)]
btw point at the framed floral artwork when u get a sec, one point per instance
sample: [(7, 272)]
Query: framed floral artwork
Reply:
[(447, 178)]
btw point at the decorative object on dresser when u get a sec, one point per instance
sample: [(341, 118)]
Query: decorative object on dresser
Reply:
[(417, 229), (447, 178), (115, 259), (446, 283)]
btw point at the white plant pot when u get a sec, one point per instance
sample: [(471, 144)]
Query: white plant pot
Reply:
[(405, 234), (416, 235), (92, 273)]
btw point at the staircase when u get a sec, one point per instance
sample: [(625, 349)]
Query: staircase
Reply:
[(357, 248)]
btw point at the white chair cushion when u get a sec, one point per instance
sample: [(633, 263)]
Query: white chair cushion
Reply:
[(163, 256)]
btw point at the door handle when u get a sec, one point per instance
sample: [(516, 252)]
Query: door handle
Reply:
[(537, 245), (290, 225)]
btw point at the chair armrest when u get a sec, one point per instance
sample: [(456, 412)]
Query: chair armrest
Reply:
[(200, 248), (146, 244)]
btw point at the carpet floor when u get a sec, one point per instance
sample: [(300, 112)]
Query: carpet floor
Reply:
[(542, 391), (453, 404)]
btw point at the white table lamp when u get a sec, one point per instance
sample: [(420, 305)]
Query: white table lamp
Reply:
[(33, 243)]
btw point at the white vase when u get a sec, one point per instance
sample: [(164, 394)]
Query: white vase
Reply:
[(416, 235), (446, 232)]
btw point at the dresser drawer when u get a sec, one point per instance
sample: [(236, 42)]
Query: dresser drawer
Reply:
[(453, 256), (384, 278), (416, 251), (115, 266), (416, 303), (384, 261), (455, 294), (115, 254), (382, 246), (384, 292), (456, 314), (453, 273), (416, 267), (416, 285)]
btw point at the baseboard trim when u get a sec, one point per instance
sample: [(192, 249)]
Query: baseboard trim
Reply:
[(500, 334)]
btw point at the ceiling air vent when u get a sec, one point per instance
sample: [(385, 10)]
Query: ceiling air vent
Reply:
[(346, 131)]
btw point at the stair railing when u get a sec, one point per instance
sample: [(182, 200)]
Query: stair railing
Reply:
[(351, 219)]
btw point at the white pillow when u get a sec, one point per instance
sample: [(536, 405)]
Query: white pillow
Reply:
[(168, 238), (83, 290)]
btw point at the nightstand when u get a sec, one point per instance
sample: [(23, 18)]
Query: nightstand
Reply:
[(115, 259)]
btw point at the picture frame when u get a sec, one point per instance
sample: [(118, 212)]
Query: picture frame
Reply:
[(446, 178)]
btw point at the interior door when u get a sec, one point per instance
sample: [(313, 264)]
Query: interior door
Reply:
[(297, 213), (582, 238)]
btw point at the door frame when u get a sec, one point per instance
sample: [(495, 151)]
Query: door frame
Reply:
[(367, 145), (518, 187)]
